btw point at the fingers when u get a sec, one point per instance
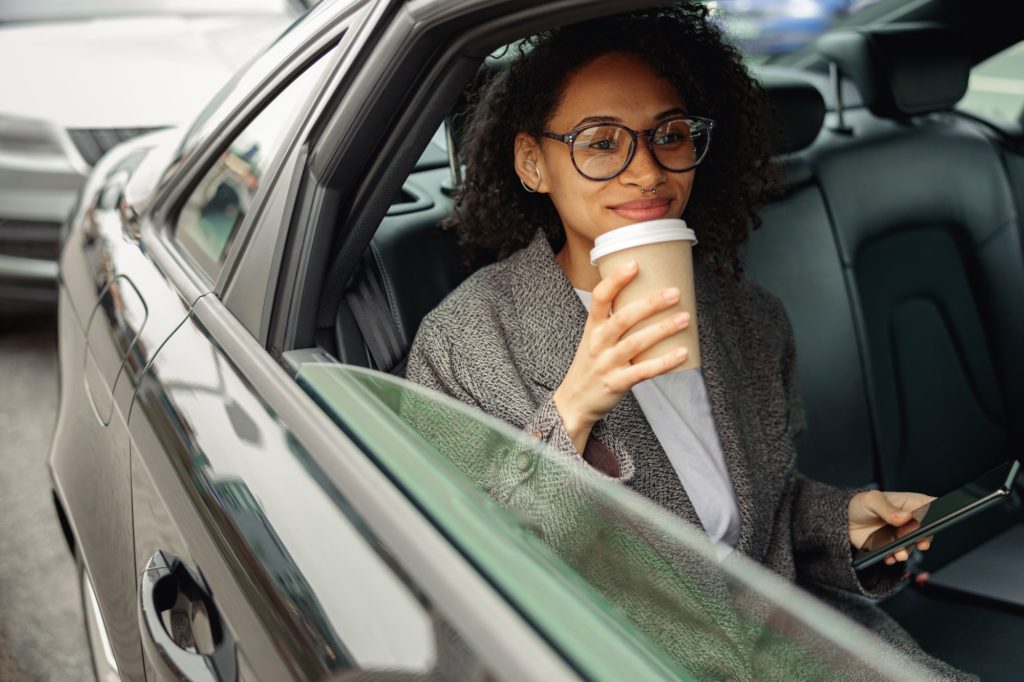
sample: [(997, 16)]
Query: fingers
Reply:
[(879, 504), (898, 556), (642, 339), (904, 554), (626, 317), (608, 288), (642, 371)]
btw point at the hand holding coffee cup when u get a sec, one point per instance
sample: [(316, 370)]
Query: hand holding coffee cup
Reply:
[(664, 251), (608, 361)]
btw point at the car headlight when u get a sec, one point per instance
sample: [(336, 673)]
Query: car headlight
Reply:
[(28, 136)]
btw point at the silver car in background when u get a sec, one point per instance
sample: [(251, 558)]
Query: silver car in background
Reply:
[(59, 112)]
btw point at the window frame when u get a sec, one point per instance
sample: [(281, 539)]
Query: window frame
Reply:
[(411, 78)]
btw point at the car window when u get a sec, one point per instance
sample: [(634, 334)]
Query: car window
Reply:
[(216, 207), (996, 87), (576, 551)]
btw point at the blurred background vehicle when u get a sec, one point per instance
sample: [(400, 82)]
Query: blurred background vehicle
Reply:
[(59, 112)]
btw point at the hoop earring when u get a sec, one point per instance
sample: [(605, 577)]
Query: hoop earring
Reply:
[(531, 190)]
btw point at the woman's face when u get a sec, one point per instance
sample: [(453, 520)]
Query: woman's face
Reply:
[(620, 88)]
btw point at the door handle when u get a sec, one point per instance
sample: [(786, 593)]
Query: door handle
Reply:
[(199, 646)]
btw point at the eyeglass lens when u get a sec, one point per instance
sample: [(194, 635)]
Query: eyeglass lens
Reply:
[(603, 151)]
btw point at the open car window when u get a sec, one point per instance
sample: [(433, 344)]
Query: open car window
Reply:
[(621, 587)]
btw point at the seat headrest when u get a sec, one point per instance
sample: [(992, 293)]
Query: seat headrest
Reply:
[(799, 106), (901, 69)]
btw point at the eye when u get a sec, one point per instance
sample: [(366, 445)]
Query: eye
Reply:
[(600, 139), (604, 144), (671, 137)]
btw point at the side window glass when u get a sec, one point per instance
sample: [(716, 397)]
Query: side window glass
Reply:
[(996, 88), (661, 595), (213, 212)]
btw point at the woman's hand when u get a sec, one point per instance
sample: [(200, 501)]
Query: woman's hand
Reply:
[(874, 509), (601, 372)]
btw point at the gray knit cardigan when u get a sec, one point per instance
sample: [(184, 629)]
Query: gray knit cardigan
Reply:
[(504, 340)]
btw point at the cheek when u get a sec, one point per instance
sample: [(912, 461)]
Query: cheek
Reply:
[(569, 191), (685, 189)]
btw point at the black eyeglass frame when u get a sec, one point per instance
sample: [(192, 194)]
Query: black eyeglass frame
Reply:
[(570, 137)]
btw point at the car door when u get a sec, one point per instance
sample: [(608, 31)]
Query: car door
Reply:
[(226, 165), (115, 309), (267, 546)]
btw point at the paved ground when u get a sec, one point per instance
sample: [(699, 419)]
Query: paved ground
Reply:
[(41, 631)]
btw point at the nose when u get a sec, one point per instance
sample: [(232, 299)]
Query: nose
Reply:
[(643, 169)]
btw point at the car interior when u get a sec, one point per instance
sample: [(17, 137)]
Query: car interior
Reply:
[(894, 241)]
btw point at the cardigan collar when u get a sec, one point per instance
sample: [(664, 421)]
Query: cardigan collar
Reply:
[(552, 319)]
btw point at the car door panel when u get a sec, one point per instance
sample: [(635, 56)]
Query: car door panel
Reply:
[(110, 285), (304, 573), (197, 428)]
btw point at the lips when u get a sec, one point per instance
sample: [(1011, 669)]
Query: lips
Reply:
[(643, 209)]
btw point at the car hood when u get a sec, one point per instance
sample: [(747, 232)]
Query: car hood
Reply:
[(134, 72)]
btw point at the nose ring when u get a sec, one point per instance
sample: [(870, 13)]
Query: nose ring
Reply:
[(654, 189)]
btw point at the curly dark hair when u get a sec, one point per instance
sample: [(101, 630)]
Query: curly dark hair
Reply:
[(495, 216)]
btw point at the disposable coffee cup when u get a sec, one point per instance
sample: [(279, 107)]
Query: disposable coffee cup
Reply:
[(663, 251)]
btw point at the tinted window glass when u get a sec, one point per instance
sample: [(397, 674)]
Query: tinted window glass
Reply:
[(218, 204), (549, 530)]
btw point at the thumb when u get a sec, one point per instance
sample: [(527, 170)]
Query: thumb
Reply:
[(889, 512)]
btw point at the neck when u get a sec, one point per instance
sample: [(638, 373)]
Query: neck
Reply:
[(574, 259)]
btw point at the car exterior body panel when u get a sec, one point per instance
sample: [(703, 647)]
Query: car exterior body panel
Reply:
[(108, 337), (199, 496)]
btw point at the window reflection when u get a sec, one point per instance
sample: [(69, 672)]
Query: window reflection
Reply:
[(564, 522), (216, 208)]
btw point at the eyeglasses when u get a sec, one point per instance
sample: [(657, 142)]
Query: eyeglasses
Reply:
[(600, 151)]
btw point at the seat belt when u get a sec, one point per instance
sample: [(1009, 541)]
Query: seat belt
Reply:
[(369, 306)]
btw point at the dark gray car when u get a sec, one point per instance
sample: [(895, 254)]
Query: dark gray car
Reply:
[(250, 489)]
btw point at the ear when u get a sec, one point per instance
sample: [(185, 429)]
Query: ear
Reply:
[(529, 163)]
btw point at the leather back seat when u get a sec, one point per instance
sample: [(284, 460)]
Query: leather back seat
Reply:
[(794, 256), (930, 243)]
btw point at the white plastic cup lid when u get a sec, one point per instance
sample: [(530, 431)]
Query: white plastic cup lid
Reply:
[(641, 234)]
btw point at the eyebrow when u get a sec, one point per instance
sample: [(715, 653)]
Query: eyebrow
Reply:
[(615, 119)]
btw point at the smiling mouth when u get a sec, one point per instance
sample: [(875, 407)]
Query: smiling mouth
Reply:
[(643, 209)]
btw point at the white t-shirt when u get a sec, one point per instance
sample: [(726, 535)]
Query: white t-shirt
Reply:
[(677, 407)]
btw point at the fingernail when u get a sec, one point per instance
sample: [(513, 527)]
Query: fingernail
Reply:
[(681, 353), (671, 294), (679, 319), (630, 266)]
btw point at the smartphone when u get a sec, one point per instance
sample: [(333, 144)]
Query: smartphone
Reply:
[(943, 512)]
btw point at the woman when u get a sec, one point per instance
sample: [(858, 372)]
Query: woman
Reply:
[(531, 339)]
